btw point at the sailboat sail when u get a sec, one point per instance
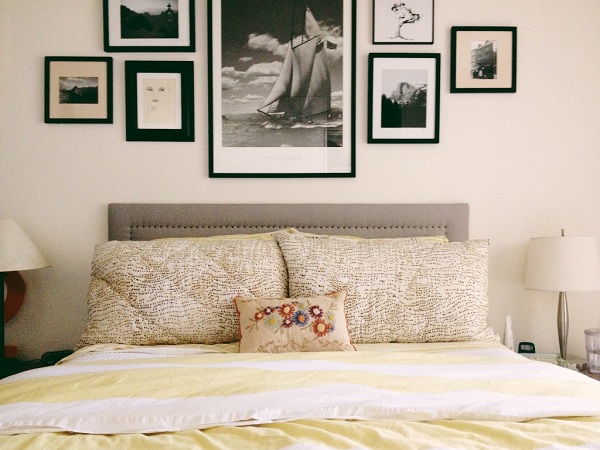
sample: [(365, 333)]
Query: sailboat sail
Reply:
[(303, 88)]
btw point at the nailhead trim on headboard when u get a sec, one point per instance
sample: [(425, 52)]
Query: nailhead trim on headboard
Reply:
[(151, 221)]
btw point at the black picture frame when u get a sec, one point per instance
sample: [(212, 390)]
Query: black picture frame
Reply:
[(483, 59), (78, 89), (159, 100), (408, 22), (404, 98), (248, 47), (147, 28)]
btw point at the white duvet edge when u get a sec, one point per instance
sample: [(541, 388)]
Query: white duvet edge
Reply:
[(121, 415)]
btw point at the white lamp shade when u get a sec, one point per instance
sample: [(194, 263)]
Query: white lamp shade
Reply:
[(17, 251), (563, 263)]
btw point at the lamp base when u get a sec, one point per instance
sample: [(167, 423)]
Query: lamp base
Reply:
[(562, 321), (10, 351)]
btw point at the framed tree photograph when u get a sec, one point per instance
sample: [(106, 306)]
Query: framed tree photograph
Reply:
[(149, 26), (281, 88), (404, 98), (483, 59), (403, 22), (159, 100), (78, 89)]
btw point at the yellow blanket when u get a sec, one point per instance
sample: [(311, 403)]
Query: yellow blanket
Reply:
[(461, 395)]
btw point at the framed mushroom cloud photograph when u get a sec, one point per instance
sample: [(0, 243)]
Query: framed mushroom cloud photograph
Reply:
[(281, 88), (403, 22), (404, 98)]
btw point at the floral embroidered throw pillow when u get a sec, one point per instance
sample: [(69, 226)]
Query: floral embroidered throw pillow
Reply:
[(316, 324)]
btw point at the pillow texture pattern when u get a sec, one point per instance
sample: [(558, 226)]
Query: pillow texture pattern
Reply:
[(177, 291), (269, 325), (399, 290)]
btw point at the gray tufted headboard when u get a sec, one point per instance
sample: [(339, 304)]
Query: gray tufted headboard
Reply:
[(145, 221)]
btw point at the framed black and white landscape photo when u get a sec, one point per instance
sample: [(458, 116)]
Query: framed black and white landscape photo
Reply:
[(281, 88), (78, 89), (159, 100), (403, 21), (483, 59), (404, 98), (149, 26)]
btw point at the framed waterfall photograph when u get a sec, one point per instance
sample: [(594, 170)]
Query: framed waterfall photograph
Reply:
[(149, 26), (281, 88), (404, 98)]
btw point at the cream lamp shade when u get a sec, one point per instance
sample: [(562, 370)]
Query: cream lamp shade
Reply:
[(561, 264), (17, 251)]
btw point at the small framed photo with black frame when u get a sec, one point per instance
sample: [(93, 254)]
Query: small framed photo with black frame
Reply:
[(78, 89), (149, 26), (404, 98), (483, 59), (159, 100), (403, 22)]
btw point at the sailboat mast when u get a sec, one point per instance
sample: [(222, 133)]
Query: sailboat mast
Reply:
[(292, 27)]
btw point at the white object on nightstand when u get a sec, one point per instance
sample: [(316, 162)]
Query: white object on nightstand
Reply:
[(508, 334)]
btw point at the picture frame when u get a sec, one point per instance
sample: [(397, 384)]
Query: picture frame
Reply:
[(159, 100), (403, 22), (261, 126), (483, 60), (78, 89), (404, 98), (149, 25)]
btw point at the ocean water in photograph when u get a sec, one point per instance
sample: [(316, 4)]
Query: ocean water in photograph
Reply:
[(258, 131)]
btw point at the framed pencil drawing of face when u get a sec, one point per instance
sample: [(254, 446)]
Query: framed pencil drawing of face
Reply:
[(404, 98), (281, 88), (159, 100)]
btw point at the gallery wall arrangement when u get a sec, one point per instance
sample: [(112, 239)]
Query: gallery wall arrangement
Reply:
[(281, 79)]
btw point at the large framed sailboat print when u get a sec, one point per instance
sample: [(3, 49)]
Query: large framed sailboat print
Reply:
[(281, 88)]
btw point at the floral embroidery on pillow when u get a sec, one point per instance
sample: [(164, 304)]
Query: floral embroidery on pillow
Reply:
[(295, 314), (292, 325)]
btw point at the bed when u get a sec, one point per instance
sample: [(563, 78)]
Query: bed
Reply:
[(294, 327)]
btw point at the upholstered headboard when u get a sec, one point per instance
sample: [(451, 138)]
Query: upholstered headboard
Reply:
[(145, 221)]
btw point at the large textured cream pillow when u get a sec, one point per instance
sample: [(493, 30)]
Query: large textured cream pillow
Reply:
[(399, 290), (178, 291), (313, 324)]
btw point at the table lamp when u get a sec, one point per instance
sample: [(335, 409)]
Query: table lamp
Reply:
[(17, 252), (561, 264)]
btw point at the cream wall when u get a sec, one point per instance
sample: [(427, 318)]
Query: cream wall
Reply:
[(527, 163)]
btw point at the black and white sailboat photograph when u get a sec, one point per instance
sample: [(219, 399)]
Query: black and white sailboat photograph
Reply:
[(282, 73)]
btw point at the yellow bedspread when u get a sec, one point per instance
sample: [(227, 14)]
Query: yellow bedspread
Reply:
[(456, 395)]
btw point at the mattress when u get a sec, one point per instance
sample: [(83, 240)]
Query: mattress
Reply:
[(433, 395)]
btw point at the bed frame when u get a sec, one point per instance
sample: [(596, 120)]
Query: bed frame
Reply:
[(146, 221)]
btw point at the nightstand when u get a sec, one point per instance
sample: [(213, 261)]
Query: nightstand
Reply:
[(572, 362), (13, 366), (580, 364), (595, 376)]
